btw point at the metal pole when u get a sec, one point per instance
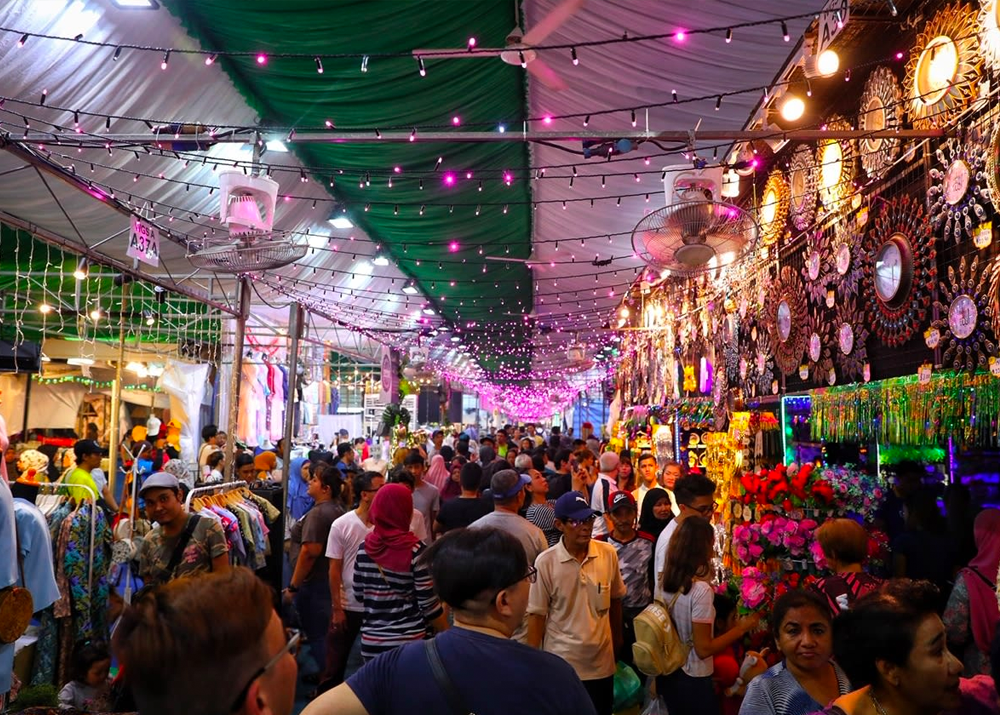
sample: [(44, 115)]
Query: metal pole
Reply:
[(234, 381), (116, 395), (294, 330), (27, 400), (400, 137)]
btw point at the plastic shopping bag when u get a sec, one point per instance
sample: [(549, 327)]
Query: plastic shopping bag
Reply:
[(656, 707), (628, 687)]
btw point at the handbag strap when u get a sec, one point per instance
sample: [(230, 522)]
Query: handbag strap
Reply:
[(985, 580), (443, 680), (182, 542)]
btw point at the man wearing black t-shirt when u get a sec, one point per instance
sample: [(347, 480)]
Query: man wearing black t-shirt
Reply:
[(460, 512)]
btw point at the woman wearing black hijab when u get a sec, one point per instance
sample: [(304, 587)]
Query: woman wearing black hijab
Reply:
[(656, 512)]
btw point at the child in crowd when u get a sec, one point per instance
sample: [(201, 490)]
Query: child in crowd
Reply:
[(214, 463), (88, 689)]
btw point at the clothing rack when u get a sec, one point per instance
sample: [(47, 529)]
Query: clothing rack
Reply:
[(225, 486), (93, 522)]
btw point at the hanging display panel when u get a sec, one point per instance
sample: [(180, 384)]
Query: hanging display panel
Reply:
[(958, 197), (802, 187), (900, 270), (881, 109), (943, 73), (963, 327)]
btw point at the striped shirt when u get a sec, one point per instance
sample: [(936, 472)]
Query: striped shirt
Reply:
[(397, 606), (777, 692)]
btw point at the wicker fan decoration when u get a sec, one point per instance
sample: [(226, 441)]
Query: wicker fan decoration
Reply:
[(900, 271), (835, 166), (963, 328), (993, 302), (785, 317), (993, 159), (773, 209), (958, 197), (942, 76), (816, 271), (802, 187), (818, 360), (846, 258), (850, 339), (881, 109)]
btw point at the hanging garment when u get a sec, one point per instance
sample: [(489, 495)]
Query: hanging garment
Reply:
[(8, 573), (251, 400), (277, 404)]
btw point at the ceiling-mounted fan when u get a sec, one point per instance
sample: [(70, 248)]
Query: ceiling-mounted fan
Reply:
[(519, 46)]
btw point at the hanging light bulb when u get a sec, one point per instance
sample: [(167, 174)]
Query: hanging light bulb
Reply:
[(792, 108)]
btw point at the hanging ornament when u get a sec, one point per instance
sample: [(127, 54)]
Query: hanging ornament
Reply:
[(815, 272), (773, 209), (850, 339), (958, 198), (785, 318), (942, 77), (835, 162), (993, 302), (802, 187), (881, 109), (845, 257), (964, 306), (818, 360), (900, 271)]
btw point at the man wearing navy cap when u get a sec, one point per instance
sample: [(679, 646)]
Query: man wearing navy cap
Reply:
[(575, 606)]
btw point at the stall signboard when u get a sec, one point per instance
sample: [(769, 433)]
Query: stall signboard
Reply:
[(144, 242), (832, 19)]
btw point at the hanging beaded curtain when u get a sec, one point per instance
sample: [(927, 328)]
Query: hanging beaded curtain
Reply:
[(901, 411)]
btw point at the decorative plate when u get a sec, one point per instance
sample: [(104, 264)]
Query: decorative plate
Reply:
[(845, 257), (818, 360), (963, 307), (851, 337), (881, 109), (900, 271), (802, 187), (835, 165), (773, 209), (785, 317), (989, 33), (957, 198), (942, 76)]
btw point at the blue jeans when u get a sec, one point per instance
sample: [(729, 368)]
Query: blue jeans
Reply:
[(314, 606)]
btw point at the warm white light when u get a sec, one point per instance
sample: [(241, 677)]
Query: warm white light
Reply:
[(410, 290), (95, 314), (136, 367), (769, 207), (341, 222), (80, 361), (827, 63), (624, 311), (428, 311), (380, 260), (792, 108), (275, 145), (45, 309)]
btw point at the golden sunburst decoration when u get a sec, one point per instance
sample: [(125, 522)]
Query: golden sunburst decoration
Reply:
[(773, 209), (956, 198), (881, 109), (989, 33), (802, 187), (835, 165), (963, 306), (942, 76)]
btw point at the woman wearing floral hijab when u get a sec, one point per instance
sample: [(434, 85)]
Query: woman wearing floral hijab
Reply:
[(392, 583)]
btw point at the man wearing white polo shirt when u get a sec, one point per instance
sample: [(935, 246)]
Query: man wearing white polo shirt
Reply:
[(575, 605)]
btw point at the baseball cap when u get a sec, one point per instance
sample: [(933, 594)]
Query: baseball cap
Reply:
[(506, 483), (160, 480), (620, 499), (83, 447), (573, 505)]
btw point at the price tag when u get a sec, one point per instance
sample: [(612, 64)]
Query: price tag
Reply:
[(924, 373), (983, 236), (831, 298), (932, 336), (831, 377), (803, 372), (862, 217), (866, 372)]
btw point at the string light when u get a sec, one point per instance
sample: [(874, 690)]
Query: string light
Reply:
[(633, 118), (24, 38), (261, 58), (210, 60), (586, 120), (784, 32), (319, 66), (572, 54), (166, 59), (421, 69), (524, 62), (718, 103), (118, 53), (729, 35)]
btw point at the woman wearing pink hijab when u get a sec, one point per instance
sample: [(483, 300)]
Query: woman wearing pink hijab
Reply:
[(972, 614), (391, 580), (438, 474)]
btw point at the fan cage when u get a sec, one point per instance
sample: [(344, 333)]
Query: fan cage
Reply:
[(241, 257), (729, 232)]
